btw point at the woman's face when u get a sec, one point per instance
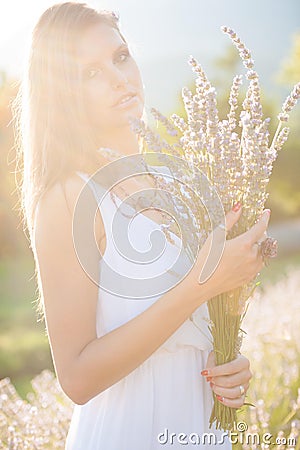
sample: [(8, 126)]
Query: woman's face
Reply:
[(112, 84)]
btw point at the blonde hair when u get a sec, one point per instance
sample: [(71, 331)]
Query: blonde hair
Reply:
[(53, 137)]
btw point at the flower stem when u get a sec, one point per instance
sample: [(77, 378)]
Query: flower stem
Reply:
[(276, 134)]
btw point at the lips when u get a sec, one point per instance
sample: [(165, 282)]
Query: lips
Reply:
[(124, 98)]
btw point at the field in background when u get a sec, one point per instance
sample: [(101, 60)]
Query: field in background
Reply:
[(24, 349)]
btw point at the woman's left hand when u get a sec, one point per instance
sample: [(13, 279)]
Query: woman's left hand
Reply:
[(229, 381)]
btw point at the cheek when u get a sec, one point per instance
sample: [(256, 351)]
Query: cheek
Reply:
[(95, 100), (94, 92), (139, 81)]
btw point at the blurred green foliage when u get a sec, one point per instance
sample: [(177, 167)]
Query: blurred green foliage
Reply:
[(290, 72), (12, 240), (24, 347)]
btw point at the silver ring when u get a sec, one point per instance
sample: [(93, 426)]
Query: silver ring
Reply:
[(242, 390)]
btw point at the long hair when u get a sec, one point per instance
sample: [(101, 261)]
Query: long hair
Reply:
[(53, 137)]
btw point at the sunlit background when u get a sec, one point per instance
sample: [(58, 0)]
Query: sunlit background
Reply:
[(162, 34)]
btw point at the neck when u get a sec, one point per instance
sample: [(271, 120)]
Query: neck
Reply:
[(125, 142)]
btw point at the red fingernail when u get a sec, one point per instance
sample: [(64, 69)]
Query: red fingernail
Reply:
[(204, 373), (211, 384), (236, 206), (208, 378), (221, 399)]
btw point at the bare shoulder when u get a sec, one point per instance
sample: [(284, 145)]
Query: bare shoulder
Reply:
[(55, 212), (57, 203)]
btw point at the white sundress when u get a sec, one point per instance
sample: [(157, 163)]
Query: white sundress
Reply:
[(165, 403)]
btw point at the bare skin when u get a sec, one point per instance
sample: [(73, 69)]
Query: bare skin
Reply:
[(70, 297)]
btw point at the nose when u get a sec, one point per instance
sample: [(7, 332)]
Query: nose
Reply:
[(117, 78)]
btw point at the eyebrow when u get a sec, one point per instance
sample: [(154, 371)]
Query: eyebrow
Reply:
[(92, 63)]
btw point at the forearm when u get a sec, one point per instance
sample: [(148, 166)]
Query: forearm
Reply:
[(109, 358)]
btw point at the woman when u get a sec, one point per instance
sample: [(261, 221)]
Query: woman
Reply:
[(136, 370)]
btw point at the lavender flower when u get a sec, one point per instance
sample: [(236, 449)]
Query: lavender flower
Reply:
[(167, 123), (233, 101), (289, 103), (237, 157)]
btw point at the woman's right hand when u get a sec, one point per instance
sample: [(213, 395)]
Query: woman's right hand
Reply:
[(240, 261)]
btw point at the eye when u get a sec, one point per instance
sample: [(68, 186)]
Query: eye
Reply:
[(91, 73), (123, 56)]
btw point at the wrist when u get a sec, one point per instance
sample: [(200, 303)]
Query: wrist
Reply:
[(194, 292)]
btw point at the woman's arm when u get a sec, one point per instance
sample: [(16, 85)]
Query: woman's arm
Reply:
[(87, 365)]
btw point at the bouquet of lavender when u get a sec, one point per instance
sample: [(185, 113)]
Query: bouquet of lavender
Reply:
[(237, 156)]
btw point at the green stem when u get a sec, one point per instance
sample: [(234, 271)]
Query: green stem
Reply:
[(276, 134)]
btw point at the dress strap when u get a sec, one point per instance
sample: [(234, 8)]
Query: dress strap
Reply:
[(98, 191), (85, 177), (104, 202)]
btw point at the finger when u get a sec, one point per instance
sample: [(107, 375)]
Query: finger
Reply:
[(257, 256), (264, 236), (211, 360), (232, 403), (229, 381), (232, 217), (209, 364), (256, 245), (234, 392), (229, 368), (257, 231)]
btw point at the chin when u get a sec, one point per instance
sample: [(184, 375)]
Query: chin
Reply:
[(121, 118), (136, 113)]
